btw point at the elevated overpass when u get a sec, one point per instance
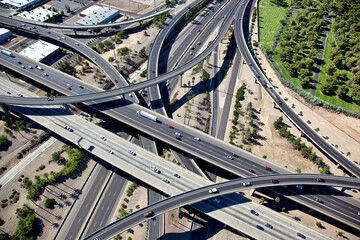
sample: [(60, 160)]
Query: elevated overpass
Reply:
[(201, 194), (87, 136)]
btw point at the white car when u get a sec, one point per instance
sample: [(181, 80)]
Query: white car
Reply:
[(213, 190), (103, 138), (46, 74), (247, 184), (155, 169), (197, 139), (111, 152)]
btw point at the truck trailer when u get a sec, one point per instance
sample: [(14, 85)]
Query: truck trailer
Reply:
[(7, 53), (147, 115)]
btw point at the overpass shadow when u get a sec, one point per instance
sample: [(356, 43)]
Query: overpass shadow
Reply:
[(202, 86)]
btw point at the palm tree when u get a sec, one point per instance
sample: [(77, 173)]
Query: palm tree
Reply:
[(277, 199), (262, 200)]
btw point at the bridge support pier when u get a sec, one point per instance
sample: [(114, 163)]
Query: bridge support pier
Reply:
[(252, 191), (5, 110), (180, 78), (66, 106), (274, 104)]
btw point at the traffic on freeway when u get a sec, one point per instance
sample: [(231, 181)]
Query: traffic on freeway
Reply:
[(219, 189)]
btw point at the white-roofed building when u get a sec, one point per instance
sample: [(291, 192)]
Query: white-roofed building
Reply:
[(40, 51), (38, 14), (20, 4), (5, 34), (97, 15)]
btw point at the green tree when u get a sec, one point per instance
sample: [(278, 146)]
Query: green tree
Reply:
[(278, 123), (121, 34), (262, 200), (342, 91), (3, 141), (277, 199)]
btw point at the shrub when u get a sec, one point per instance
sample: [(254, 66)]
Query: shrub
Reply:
[(49, 202), (111, 59)]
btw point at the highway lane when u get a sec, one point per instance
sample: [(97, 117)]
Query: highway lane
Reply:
[(197, 195), (108, 204), (74, 45), (245, 171), (121, 91), (84, 27), (138, 166), (318, 140), (210, 149)]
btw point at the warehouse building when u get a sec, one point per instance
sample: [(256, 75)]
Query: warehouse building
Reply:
[(40, 51), (97, 15), (20, 4), (5, 35), (38, 14)]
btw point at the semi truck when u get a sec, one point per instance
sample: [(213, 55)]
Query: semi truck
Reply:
[(64, 126), (7, 53), (147, 115)]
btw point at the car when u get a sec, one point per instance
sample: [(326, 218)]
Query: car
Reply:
[(234, 154), (69, 88), (48, 32), (269, 169), (199, 43), (252, 170), (131, 152), (222, 16), (321, 180), (260, 227), (30, 67), (178, 134), (254, 212), (8, 93), (199, 30), (58, 38), (215, 200), (171, 126), (50, 99), (192, 48), (268, 225), (69, 129), (23, 66), (149, 214), (155, 169), (19, 62), (94, 59), (20, 95), (319, 200), (68, 84), (111, 152), (103, 138), (176, 175), (275, 181), (77, 44), (213, 190), (196, 138), (299, 187), (229, 157), (46, 74), (81, 87), (301, 235), (116, 80), (178, 138), (165, 180), (191, 53), (247, 184)]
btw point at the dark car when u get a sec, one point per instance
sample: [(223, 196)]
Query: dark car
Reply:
[(234, 154), (268, 225), (178, 138), (319, 200), (275, 181), (321, 180), (254, 212), (260, 227), (149, 214), (251, 170), (301, 235)]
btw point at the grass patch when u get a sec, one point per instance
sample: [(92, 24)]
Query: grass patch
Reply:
[(270, 15)]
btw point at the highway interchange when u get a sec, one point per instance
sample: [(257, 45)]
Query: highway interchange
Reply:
[(202, 154)]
